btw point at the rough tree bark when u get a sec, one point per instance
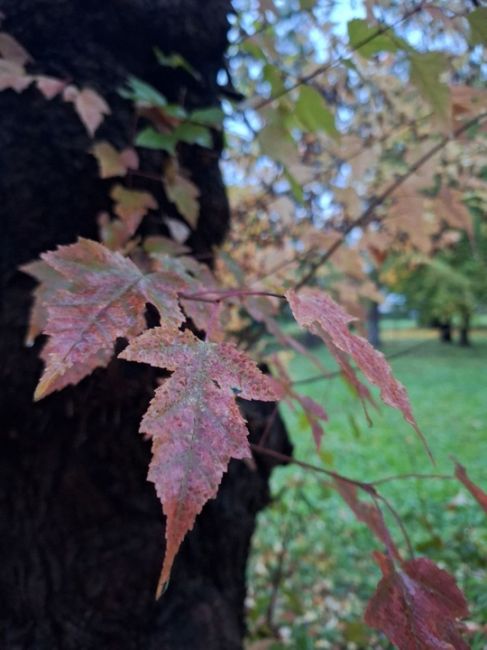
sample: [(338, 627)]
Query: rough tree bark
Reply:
[(81, 530)]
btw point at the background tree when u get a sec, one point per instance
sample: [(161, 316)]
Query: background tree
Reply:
[(448, 286)]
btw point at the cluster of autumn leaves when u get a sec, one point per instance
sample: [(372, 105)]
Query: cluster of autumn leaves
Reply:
[(90, 294), (399, 110)]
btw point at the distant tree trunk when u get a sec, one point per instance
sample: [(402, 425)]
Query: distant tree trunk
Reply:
[(81, 529), (445, 330), (373, 325), (464, 337)]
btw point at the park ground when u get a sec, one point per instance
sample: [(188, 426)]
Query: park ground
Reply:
[(312, 571)]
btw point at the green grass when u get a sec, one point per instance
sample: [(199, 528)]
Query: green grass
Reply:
[(327, 572)]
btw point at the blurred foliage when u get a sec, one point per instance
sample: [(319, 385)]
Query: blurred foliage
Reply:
[(326, 575)]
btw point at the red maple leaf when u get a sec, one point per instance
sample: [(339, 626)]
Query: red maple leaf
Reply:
[(479, 495), (194, 422), (105, 299), (317, 312), (417, 606)]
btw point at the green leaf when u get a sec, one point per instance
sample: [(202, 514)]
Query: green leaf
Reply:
[(175, 110), (175, 60), (478, 26), (348, 63), (250, 47), (296, 188), (273, 77), (212, 116), (152, 139), (313, 113), (277, 143), (193, 134), (368, 41), (425, 75), (307, 5), (142, 93)]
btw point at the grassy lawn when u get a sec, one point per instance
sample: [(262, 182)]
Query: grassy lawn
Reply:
[(312, 572)]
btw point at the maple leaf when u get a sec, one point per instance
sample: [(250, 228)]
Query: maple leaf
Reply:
[(105, 299), (368, 514), (49, 282), (264, 310), (113, 233), (197, 277), (194, 422), (477, 20), (131, 206), (12, 50), (407, 215), (112, 162), (417, 606), (317, 312), (314, 412), (49, 86), (89, 105), (449, 205), (13, 76), (426, 71), (479, 495), (182, 192), (157, 244), (466, 101)]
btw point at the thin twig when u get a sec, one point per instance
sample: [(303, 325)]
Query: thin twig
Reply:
[(327, 66), (366, 487), (400, 477), (223, 294), (278, 574), (399, 522), (270, 421), (265, 26)]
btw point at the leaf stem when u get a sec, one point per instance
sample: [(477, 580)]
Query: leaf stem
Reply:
[(223, 294)]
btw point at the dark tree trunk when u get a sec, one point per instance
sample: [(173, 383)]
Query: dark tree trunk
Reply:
[(445, 330), (464, 337), (373, 325), (81, 530)]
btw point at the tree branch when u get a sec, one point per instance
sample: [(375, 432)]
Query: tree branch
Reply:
[(376, 202), (327, 66)]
